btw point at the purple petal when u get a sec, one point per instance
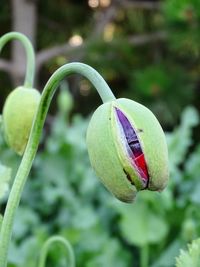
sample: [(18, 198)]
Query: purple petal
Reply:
[(134, 145)]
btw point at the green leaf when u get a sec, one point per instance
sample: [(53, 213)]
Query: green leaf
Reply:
[(191, 257), (111, 255), (180, 140), (5, 176), (178, 146), (25, 220), (1, 219), (167, 257), (0, 121), (141, 226)]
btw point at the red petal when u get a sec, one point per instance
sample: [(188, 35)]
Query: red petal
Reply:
[(141, 164)]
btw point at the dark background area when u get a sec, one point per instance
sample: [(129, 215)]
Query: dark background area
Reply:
[(146, 50)]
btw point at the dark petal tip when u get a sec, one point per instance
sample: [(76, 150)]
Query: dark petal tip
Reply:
[(132, 140)]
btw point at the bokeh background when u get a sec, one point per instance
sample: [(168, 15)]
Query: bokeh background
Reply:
[(148, 51)]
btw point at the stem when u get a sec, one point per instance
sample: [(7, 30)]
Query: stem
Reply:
[(30, 69), (33, 142), (144, 256), (50, 242)]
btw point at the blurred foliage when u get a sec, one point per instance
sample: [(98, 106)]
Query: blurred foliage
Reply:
[(190, 257), (63, 196), (162, 73), (5, 174), (183, 17)]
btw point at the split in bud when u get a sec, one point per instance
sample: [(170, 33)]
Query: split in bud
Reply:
[(132, 147), (127, 148), (18, 115)]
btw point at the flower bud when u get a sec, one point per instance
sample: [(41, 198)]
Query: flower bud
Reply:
[(18, 114), (127, 148)]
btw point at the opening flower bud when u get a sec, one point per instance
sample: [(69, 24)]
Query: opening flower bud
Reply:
[(18, 114), (127, 148)]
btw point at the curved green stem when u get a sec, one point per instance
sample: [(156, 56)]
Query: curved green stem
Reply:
[(60, 240), (144, 256), (33, 142), (30, 69)]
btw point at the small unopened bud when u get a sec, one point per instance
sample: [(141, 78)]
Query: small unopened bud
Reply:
[(127, 148), (18, 115)]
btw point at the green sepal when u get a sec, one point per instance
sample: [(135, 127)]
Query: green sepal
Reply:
[(152, 140), (103, 156), (18, 115), (120, 144), (108, 155)]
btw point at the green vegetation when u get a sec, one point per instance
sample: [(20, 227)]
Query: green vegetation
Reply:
[(62, 195)]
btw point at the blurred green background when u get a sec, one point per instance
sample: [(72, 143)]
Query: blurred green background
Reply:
[(148, 51)]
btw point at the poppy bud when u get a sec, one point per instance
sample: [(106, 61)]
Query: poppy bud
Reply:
[(18, 114), (127, 148)]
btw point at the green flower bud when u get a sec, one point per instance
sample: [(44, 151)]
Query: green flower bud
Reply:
[(18, 114), (189, 229), (127, 148)]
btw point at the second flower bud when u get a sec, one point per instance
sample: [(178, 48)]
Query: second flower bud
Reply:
[(18, 115)]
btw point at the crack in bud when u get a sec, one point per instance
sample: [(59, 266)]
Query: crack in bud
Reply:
[(133, 147)]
